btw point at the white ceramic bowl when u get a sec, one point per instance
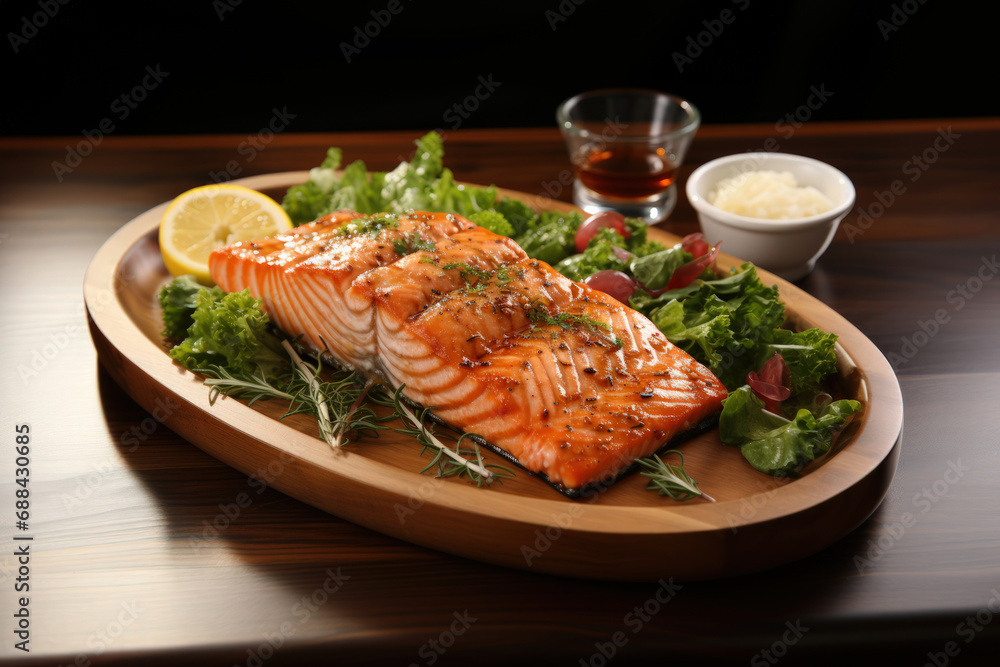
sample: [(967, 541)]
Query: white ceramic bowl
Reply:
[(788, 248)]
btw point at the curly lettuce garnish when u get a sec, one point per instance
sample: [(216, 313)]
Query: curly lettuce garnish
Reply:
[(230, 331), (177, 299)]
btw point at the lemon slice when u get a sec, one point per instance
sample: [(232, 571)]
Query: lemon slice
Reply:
[(203, 219)]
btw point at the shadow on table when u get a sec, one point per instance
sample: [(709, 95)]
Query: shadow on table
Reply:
[(325, 584)]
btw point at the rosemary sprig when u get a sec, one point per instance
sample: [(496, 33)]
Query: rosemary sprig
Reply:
[(337, 404), (255, 387), (671, 480), (316, 396), (340, 406), (467, 462)]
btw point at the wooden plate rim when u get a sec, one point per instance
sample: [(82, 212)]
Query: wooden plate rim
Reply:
[(870, 445)]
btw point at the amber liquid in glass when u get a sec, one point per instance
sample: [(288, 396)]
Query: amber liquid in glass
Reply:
[(627, 172)]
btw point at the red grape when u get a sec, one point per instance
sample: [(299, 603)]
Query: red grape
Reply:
[(594, 223), (613, 283)]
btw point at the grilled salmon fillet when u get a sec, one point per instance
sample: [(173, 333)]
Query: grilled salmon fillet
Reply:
[(568, 381), (303, 275)]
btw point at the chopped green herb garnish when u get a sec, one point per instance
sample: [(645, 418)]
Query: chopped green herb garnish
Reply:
[(467, 271), (539, 315), (369, 225), (566, 321), (411, 243), (476, 280)]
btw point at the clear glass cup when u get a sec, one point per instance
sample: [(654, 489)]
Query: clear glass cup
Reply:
[(626, 146)]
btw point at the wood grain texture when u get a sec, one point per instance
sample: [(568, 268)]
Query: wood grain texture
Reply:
[(126, 512)]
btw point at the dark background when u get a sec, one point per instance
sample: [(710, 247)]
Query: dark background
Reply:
[(229, 66)]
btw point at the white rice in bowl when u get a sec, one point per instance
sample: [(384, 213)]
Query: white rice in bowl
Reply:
[(771, 195)]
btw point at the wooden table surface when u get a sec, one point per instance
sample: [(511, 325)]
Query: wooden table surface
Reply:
[(124, 569)]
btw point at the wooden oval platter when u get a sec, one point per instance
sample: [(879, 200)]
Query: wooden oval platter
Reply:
[(623, 533)]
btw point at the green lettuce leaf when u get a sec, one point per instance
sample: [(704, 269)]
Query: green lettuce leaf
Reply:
[(637, 242), (733, 284), (702, 331), (654, 270), (599, 256), (446, 195), (493, 221), (521, 216), (409, 184), (646, 248), (230, 330), (177, 299), (554, 239), (356, 192), (754, 314), (425, 184), (311, 200), (810, 354), (422, 183), (774, 445)]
